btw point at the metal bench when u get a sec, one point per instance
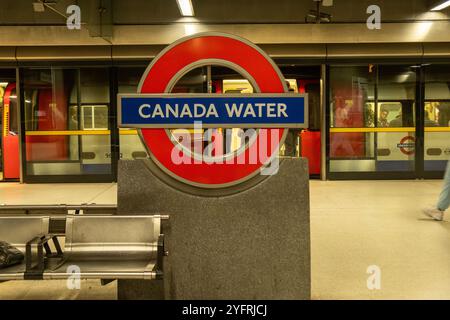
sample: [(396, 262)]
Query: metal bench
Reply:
[(58, 212), (20, 231), (96, 247), (58, 209)]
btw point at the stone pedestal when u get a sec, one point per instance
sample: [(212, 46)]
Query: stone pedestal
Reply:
[(251, 245)]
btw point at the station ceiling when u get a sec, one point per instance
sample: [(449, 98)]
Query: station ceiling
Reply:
[(409, 27), (137, 12)]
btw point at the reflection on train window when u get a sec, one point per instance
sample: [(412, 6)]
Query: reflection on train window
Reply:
[(94, 117), (437, 114), (63, 108), (237, 86), (397, 95), (437, 117), (372, 118), (234, 140), (395, 114), (131, 146), (223, 80), (9, 126), (352, 94)]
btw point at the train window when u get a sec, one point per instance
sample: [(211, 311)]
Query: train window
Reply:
[(352, 108), (2, 92), (131, 146), (9, 126), (306, 79), (94, 117), (396, 95), (437, 117), (223, 80), (66, 118), (372, 118)]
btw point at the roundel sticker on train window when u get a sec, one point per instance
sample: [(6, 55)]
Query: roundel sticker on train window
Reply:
[(186, 134), (407, 145)]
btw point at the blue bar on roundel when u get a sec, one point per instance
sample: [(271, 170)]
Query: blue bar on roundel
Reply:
[(212, 111)]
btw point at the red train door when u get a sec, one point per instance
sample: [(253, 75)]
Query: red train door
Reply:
[(310, 138), (10, 134)]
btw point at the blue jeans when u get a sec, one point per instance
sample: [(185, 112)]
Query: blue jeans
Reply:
[(444, 198)]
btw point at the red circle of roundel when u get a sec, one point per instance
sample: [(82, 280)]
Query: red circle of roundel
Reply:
[(180, 56)]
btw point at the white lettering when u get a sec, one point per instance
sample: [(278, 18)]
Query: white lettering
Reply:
[(271, 110), (186, 111), (157, 111), (141, 111), (249, 111), (212, 111), (197, 112), (260, 106), (172, 111), (234, 109), (282, 110)]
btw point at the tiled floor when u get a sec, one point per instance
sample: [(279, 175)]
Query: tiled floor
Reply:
[(58, 193), (354, 224)]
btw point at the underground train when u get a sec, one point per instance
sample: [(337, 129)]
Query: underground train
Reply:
[(67, 120)]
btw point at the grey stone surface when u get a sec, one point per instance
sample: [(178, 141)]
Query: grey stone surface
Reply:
[(251, 245), (140, 289)]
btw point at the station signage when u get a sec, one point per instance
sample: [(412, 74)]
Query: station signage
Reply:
[(264, 116), (213, 111)]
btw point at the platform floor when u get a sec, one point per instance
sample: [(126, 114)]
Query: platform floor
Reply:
[(354, 224)]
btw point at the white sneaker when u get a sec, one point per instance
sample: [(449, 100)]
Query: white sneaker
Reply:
[(434, 213)]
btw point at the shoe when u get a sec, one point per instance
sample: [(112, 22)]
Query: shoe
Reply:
[(434, 213)]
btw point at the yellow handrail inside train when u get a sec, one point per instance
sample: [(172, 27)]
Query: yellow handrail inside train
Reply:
[(369, 130), (134, 132), (84, 132)]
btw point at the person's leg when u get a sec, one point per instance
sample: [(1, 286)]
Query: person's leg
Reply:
[(437, 212), (444, 198)]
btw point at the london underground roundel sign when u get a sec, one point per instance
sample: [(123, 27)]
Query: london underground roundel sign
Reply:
[(266, 114)]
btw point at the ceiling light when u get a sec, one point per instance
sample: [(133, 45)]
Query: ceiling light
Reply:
[(186, 8), (441, 6)]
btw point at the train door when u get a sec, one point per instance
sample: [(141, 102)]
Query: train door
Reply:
[(9, 126), (311, 137), (306, 79), (415, 106), (373, 112), (435, 120), (67, 120)]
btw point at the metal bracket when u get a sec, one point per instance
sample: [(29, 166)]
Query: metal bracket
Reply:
[(36, 271)]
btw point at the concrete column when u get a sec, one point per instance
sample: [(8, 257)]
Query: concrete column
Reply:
[(251, 245)]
